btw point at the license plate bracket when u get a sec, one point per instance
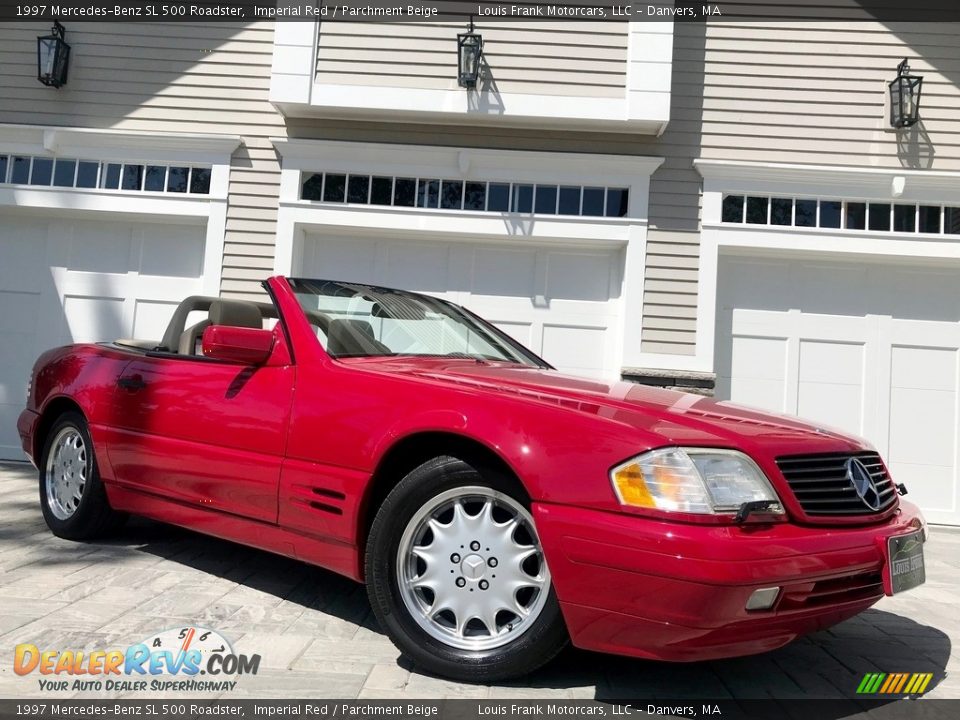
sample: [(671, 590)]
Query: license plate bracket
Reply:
[(905, 563)]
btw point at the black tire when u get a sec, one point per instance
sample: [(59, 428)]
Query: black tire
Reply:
[(92, 515), (543, 639)]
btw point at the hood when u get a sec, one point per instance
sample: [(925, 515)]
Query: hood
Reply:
[(675, 417)]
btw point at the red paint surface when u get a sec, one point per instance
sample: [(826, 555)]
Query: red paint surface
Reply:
[(280, 456)]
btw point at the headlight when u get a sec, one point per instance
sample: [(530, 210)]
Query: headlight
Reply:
[(692, 480)]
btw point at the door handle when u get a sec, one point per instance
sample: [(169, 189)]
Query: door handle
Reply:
[(132, 382)]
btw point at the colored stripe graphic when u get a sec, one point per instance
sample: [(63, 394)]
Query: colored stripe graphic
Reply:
[(894, 683), (903, 680)]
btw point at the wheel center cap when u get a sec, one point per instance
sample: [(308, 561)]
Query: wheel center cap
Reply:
[(473, 567)]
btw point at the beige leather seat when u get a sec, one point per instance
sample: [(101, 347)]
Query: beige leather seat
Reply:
[(236, 313)]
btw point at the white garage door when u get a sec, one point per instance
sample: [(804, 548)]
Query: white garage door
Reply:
[(64, 281), (870, 348), (562, 303)]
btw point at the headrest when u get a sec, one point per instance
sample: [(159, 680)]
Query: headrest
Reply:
[(236, 313)]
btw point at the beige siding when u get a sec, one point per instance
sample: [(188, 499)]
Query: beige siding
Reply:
[(178, 77), (552, 58)]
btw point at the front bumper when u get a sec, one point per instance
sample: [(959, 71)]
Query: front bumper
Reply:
[(673, 591), (27, 428)]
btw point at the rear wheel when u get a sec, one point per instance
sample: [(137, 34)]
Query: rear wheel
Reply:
[(457, 576), (72, 498)]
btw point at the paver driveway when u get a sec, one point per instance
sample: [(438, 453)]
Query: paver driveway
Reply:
[(318, 638)]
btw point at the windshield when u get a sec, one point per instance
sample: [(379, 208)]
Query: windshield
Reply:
[(354, 320)]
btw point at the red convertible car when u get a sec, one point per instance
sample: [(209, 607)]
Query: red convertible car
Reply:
[(495, 508)]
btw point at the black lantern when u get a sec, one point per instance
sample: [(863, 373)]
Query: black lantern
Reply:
[(53, 57), (905, 97), (469, 54)]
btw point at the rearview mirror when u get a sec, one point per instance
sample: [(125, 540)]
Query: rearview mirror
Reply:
[(250, 346)]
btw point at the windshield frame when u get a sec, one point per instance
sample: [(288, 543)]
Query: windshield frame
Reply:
[(490, 332)]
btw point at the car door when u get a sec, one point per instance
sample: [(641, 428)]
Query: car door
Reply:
[(204, 432)]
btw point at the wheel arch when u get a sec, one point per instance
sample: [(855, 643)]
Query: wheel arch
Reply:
[(413, 450), (48, 416)]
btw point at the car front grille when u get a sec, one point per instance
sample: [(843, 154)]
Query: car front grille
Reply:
[(820, 484)]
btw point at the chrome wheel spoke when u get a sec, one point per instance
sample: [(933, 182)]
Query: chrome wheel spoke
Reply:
[(465, 571), (66, 473)]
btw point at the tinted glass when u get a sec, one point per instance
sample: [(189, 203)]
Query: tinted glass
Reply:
[(546, 202), (569, 201), (856, 216), (805, 213), (63, 173), (110, 176), (3, 168), (132, 177), (155, 179), (732, 211), (522, 198), (475, 196), (428, 193), (335, 188), (781, 211), (757, 210), (879, 216), (381, 191), (929, 219), (312, 188), (405, 192), (451, 195), (498, 197), (177, 180), (200, 181), (42, 171), (904, 218), (358, 189), (593, 201), (830, 214), (617, 202), (20, 174), (951, 220)]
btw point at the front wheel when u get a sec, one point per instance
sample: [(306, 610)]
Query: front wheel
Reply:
[(457, 576)]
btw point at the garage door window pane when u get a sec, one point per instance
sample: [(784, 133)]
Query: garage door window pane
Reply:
[(335, 188), (546, 202), (312, 188), (200, 181), (155, 179), (951, 220), (405, 192), (381, 191), (42, 171), (806, 213), (63, 173), (3, 168), (930, 219), (87, 174), (428, 193), (569, 201), (904, 218), (20, 175), (358, 189), (830, 214), (617, 202), (781, 211), (132, 177), (451, 195), (110, 179), (177, 179), (475, 196), (593, 201), (856, 216), (498, 197), (522, 198), (757, 210), (880, 216)]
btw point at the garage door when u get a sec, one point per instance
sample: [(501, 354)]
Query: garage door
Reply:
[(870, 348), (65, 281), (562, 303)]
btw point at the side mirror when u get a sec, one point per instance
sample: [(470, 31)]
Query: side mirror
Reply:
[(250, 346)]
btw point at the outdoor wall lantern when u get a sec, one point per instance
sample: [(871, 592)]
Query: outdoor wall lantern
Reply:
[(905, 97), (469, 54), (53, 57)]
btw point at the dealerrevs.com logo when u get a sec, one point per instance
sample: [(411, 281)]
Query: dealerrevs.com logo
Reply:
[(179, 659)]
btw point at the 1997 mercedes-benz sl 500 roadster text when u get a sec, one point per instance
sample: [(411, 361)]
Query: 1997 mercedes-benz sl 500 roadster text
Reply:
[(494, 507)]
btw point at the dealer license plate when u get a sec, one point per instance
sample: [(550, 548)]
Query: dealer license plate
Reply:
[(905, 553)]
